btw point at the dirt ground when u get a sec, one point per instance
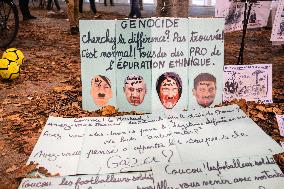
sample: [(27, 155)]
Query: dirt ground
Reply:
[(50, 84)]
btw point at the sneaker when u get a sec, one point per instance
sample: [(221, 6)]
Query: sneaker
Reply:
[(60, 11)]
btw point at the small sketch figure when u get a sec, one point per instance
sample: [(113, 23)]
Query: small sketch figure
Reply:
[(252, 18), (101, 90), (204, 89), (281, 28), (234, 15), (169, 89), (134, 89), (231, 87)]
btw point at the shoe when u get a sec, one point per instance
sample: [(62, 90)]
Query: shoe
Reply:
[(29, 17), (74, 30), (32, 17), (60, 11), (50, 12)]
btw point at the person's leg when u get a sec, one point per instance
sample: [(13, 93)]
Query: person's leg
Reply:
[(111, 3), (76, 14), (57, 5), (105, 2), (70, 13), (48, 4), (22, 8), (93, 6), (81, 6)]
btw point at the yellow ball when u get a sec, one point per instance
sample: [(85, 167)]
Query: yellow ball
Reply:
[(9, 69), (14, 55)]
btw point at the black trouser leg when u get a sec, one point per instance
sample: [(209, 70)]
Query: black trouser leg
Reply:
[(93, 6), (48, 4), (81, 6), (57, 4), (24, 7)]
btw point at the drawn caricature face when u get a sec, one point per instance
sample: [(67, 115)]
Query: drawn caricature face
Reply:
[(101, 90), (205, 93), (135, 89), (169, 93)]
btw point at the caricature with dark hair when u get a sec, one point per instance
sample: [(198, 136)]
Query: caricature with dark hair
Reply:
[(101, 90), (169, 89), (134, 89), (204, 89)]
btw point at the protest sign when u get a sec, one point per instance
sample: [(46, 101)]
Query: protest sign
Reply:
[(151, 72), (249, 82), (97, 45), (233, 12), (70, 146), (280, 121), (117, 181), (254, 172), (277, 34)]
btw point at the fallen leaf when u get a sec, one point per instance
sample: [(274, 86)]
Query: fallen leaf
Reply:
[(63, 88), (23, 171), (277, 111), (260, 115), (2, 145), (14, 117), (108, 110), (261, 108)]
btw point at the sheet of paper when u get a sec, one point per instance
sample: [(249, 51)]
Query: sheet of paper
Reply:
[(136, 180), (126, 148), (136, 65), (59, 146), (260, 172), (249, 82), (280, 121), (219, 133), (277, 34), (234, 14), (97, 46)]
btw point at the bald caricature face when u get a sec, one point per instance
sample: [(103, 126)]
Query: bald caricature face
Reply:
[(101, 90), (135, 89), (205, 93), (169, 93)]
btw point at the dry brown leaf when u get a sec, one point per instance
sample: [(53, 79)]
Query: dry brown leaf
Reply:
[(277, 111), (63, 88), (108, 110), (261, 108), (260, 115), (11, 169), (14, 117), (23, 171), (2, 145)]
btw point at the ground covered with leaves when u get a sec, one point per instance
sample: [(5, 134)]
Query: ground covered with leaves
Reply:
[(50, 84)]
